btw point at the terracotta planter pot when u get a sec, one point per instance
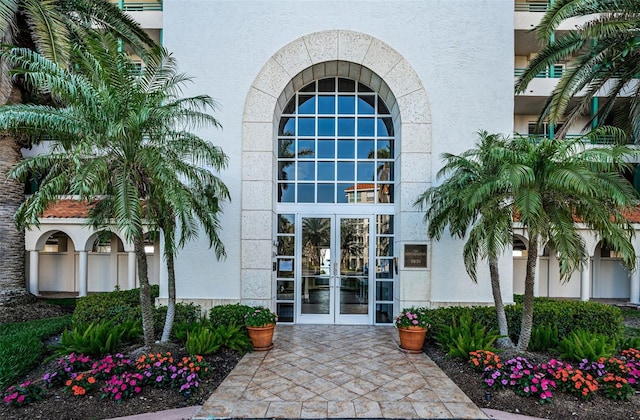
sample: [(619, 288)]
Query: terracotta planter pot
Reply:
[(261, 337), (412, 338)]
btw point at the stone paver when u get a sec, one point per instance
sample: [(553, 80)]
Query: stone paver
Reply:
[(337, 371)]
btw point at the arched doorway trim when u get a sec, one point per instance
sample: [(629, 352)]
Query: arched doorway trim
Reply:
[(288, 70)]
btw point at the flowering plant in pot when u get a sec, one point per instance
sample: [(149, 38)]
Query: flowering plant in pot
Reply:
[(260, 322), (412, 324), (260, 317), (413, 317)]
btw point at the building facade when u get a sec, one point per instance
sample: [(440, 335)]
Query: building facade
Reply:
[(335, 114)]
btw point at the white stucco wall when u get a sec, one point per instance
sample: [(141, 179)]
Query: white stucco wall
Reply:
[(461, 50)]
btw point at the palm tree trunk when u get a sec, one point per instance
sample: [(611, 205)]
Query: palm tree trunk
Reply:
[(171, 302), (12, 275), (504, 342), (527, 305), (145, 292)]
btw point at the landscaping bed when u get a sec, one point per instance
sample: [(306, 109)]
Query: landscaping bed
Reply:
[(64, 405), (563, 406)]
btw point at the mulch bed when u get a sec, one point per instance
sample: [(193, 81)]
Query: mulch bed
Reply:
[(563, 406), (61, 405)]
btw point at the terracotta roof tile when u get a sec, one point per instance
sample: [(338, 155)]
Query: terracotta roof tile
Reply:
[(67, 209)]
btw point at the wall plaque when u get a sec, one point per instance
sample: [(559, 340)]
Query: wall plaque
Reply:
[(415, 256)]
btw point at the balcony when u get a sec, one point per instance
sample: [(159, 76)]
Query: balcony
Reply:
[(147, 13), (531, 6), (554, 72), (139, 6), (603, 140)]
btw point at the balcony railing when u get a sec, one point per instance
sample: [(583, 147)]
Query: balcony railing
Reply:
[(537, 6), (139, 6), (546, 74), (535, 138)]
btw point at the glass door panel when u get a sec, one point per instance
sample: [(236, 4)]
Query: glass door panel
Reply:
[(334, 275), (354, 270), (316, 279)]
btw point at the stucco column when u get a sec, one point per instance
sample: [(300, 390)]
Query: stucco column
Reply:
[(585, 281), (33, 272), (635, 284), (131, 269), (83, 279)]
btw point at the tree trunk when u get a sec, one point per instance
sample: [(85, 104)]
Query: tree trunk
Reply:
[(12, 274), (171, 301), (527, 305), (504, 342), (146, 306)]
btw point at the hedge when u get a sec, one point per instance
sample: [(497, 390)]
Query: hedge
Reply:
[(568, 316)]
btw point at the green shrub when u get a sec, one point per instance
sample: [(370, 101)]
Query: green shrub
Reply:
[(22, 347), (203, 340), (581, 344), (185, 312), (629, 342), (117, 307), (543, 338), (484, 315), (461, 338), (97, 339), (569, 316), (182, 329), (230, 314), (566, 315), (234, 337)]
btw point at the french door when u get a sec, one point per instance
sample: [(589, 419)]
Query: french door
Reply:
[(333, 275)]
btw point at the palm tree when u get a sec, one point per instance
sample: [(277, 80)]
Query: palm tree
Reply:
[(52, 28), (122, 142), (557, 184), (606, 50), (198, 206), (474, 196), (316, 236), (549, 186)]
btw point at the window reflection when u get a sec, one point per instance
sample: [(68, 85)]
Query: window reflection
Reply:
[(326, 104), (326, 193), (306, 193), (366, 127), (335, 145), (384, 224), (366, 149), (346, 127), (326, 171), (326, 126), (366, 104), (326, 149), (286, 223), (306, 171), (286, 148), (287, 127), (306, 149), (385, 127), (366, 171), (346, 171), (346, 104), (306, 104), (346, 149), (306, 126)]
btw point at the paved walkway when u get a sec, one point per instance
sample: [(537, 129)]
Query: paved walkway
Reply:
[(334, 371)]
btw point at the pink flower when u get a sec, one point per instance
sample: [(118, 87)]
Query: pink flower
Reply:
[(21, 398), (415, 322)]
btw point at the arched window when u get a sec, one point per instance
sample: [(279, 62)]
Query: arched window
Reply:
[(336, 145)]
